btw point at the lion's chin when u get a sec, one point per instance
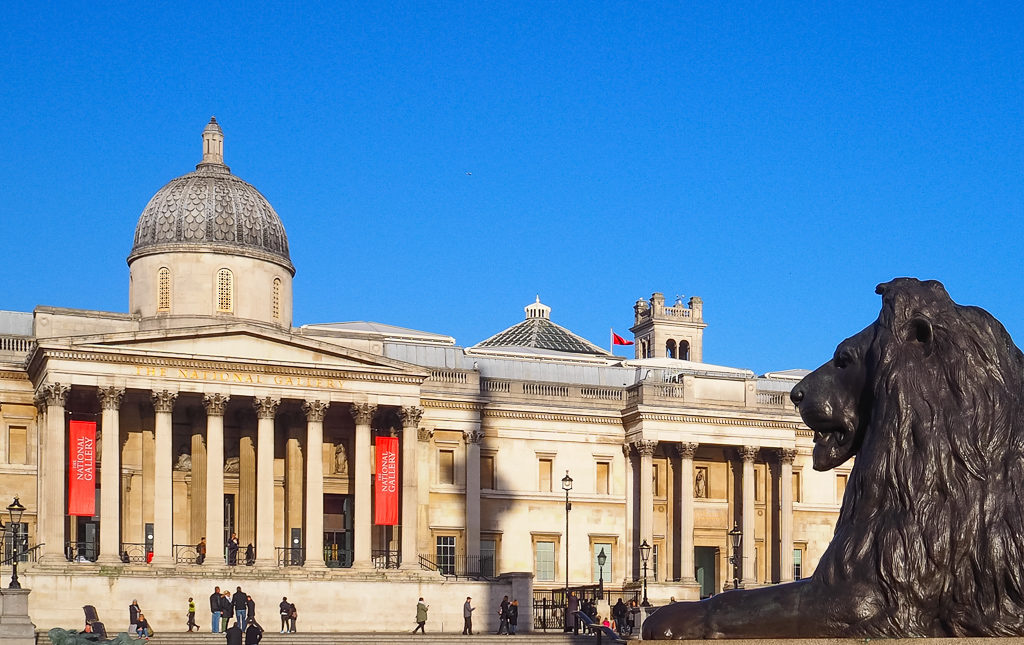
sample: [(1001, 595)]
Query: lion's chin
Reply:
[(831, 449)]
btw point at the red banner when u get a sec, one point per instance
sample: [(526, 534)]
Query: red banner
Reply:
[(82, 468), (386, 499)]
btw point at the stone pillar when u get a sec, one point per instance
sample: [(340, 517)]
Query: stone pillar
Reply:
[(748, 454), (266, 409), (786, 457), (315, 411), (163, 454), (686, 451), (198, 452), (293, 469), (423, 436), (631, 571), (53, 449), (473, 439), (363, 415), (246, 500), (215, 405), (645, 449), (110, 476), (411, 416)]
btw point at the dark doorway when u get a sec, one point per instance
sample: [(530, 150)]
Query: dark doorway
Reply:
[(705, 559), (338, 530), (229, 520)]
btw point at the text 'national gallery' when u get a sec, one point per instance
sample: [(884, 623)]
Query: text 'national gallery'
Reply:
[(201, 439)]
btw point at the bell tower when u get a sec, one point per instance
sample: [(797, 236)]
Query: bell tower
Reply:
[(676, 331)]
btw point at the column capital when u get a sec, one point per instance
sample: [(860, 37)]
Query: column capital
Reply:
[(424, 434), (645, 448), (40, 402), (473, 436), (627, 451), (215, 404), (362, 413), (787, 455), (686, 450), (410, 415), (747, 453), (111, 397), (315, 410), (266, 407), (163, 401), (55, 394)]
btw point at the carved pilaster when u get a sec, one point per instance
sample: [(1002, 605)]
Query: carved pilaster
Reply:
[(362, 413), (473, 436), (40, 402), (627, 451), (787, 455), (424, 434), (266, 407), (747, 453), (55, 394), (410, 416), (163, 401), (645, 448), (215, 404), (111, 397), (315, 410), (686, 450)]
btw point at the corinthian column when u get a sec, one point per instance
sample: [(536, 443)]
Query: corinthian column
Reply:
[(163, 539), (362, 413), (110, 476), (473, 439), (53, 455), (411, 416), (786, 457), (215, 405), (686, 451), (266, 409), (315, 411), (645, 449), (748, 454)]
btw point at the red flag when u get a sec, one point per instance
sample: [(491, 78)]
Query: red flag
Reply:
[(386, 508), (82, 468), (619, 340)]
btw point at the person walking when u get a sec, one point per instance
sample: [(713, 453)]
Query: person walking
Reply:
[(421, 617), (286, 613), (467, 617), (201, 551), (240, 604), (503, 616), (133, 616), (225, 610), (513, 617), (192, 615), (215, 609)]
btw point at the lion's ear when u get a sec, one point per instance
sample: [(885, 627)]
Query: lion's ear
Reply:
[(920, 331)]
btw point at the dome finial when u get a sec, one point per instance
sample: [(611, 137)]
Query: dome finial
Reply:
[(213, 147)]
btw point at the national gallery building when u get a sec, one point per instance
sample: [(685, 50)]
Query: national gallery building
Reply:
[(373, 462)]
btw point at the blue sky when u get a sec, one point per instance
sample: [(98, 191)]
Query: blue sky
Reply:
[(776, 160)]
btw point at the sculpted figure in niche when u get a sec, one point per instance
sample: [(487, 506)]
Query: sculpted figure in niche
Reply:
[(340, 459), (930, 536), (700, 484), (231, 465), (184, 460)]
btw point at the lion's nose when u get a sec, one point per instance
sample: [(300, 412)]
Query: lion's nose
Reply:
[(796, 396)]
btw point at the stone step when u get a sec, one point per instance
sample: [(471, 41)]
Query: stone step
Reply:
[(377, 638)]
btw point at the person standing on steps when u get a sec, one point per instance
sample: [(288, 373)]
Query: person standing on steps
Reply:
[(286, 613), (215, 609), (421, 617), (201, 551), (225, 610), (503, 616), (513, 617), (234, 635), (239, 602), (133, 616), (253, 633), (467, 617), (233, 550), (292, 617)]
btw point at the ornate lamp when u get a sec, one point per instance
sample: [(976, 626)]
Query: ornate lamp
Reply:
[(567, 486), (14, 512), (736, 536), (601, 560), (645, 554)]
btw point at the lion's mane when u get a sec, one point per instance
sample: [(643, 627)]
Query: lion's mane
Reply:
[(933, 515)]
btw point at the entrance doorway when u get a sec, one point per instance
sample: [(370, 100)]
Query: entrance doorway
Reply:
[(338, 530), (705, 559)]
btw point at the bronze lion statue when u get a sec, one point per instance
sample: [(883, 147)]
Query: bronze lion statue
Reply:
[(930, 536)]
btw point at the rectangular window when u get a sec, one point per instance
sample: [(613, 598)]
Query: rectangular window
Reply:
[(545, 561), (488, 551), (16, 542), (486, 472), (654, 561), (796, 486), (17, 445), (604, 572), (446, 554), (656, 479), (840, 487), (798, 557), (603, 468), (758, 484), (446, 467), (544, 475)]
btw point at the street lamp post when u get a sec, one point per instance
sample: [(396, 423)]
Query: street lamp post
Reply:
[(567, 486), (601, 559), (14, 513), (736, 535), (645, 553)]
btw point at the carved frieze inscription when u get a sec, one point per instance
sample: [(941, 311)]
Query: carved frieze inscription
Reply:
[(239, 377)]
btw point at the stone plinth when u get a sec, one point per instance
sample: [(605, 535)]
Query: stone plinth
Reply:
[(15, 626)]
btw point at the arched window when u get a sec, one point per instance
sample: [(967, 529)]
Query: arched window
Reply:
[(670, 349), (684, 350), (163, 289), (275, 300), (225, 291)]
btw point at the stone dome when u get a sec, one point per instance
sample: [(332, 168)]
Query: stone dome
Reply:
[(211, 210)]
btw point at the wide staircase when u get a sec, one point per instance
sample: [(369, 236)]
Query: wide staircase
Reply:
[(378, 638)]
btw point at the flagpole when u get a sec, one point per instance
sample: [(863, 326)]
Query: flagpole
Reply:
[(611, 340)]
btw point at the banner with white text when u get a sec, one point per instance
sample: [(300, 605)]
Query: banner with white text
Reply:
[(386, 487), (82, 468)]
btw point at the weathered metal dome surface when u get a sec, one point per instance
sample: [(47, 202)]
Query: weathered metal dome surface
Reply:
[(211, 209)]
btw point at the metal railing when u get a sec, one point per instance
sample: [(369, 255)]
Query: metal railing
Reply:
[(460, 566), (549, 604), (81, 551), (20, 552), (336, 558), (186, 554), (385, 558), (135, 552), (290, 556)]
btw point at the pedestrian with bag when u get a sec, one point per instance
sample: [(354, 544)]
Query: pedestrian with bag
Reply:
[(421, 617)]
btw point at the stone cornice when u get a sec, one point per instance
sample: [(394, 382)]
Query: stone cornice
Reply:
[(748, 422), (551, 416), (451, 405), (13, 375)]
